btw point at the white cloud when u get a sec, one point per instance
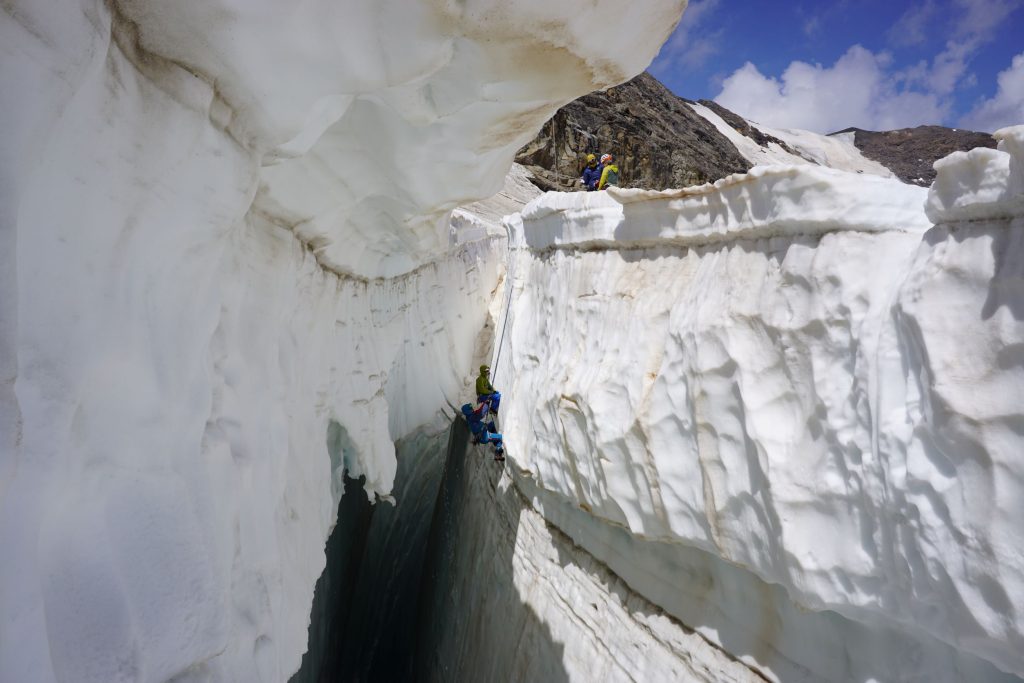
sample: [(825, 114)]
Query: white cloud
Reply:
[(912, 28), (858, 90), (812, 26), (690, 45), (975, 25), (822, 14), (1006, 107), (862, 89), (980, 18), (948, 67)]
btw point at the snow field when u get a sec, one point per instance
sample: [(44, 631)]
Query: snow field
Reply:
[(832, 151)]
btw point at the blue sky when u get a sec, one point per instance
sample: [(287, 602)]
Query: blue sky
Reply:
[(874, 64)]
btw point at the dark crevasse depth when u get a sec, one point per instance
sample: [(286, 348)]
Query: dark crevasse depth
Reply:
[(363, 620)]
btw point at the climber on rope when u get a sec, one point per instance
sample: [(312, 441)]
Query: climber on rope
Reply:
[(591, 173), (609, 172), (484, 432), (485, 393)]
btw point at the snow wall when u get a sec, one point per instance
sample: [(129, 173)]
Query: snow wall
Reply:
[(763, 428), (786, 409), (225, 241), (507, 596)]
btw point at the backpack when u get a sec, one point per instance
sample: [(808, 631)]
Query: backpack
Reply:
[(613, 176)]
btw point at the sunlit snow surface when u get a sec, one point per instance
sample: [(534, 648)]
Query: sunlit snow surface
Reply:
[(793, 371), (222, 226), (833, 151)]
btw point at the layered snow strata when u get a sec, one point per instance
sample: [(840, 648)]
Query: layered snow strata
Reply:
[(225, 227), (786, 371)]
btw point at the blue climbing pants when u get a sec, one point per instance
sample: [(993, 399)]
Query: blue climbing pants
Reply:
[(494, 399)]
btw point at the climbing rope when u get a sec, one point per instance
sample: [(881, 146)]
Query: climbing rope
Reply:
[(509, 280)]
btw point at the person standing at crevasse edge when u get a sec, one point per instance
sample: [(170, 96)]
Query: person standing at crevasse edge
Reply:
[(485, 392), (609, 172), (591, 173)]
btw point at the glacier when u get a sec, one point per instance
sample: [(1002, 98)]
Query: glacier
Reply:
[(250, 253), (792, 381), (225, 228)]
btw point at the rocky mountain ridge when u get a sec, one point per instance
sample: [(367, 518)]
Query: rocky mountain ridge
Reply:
[(910, 152), (658, 140), (661, 140)]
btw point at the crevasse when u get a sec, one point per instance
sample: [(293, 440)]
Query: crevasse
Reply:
[(224, 228), (766, 428)]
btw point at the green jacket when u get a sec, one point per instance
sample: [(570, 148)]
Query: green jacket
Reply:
[(609, 176), (483, 385)]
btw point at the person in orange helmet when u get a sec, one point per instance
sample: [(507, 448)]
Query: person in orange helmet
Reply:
[(610, 172)]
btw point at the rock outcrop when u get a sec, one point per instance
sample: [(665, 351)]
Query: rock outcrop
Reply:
[(664, 141), (657, 138), (911, 152)]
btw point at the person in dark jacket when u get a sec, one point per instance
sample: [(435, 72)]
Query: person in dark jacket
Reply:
[(591, 173), (485, 392), (484, 432)]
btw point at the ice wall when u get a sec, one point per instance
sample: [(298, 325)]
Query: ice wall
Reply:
[(518, 600), (788, 377), (384, 116), (224, 226)]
